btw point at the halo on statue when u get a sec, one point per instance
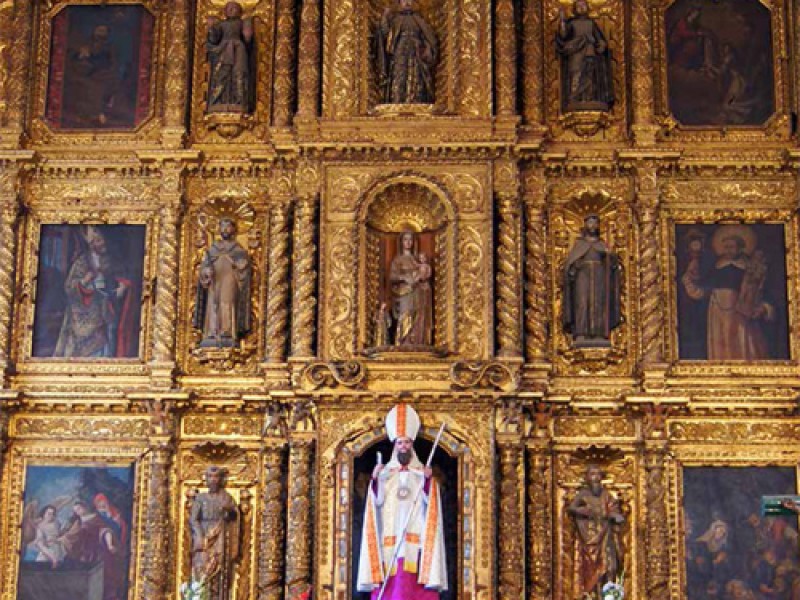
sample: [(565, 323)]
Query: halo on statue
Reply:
[(743, 232), (234, 209)]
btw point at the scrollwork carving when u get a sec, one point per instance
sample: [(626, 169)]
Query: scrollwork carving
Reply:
[(490, 375), (351, 374)]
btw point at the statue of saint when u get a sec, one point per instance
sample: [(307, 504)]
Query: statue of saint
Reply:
[(407, 52), (586, 63), (591, 302), (222, 310), (402, 542), (410, 277), (230, 82), (597, 519), (215, 527)]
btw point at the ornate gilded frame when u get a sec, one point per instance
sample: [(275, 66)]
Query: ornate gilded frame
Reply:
[(706, 443), (40, 440), (764, 201), (777, 126), (78, 202), (149, 131)]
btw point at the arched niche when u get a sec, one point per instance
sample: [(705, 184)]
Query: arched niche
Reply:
[(452, 466), (406, 204)]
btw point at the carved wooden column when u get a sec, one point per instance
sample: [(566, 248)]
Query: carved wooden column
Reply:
[(511, 516), (536, 280), (506, 58), (304, 277), (643, 68), (299, 516), (509, 275), (5, 418), (533, 63), (657, 519), (16, 21), (166, 307), (284, 64), (176, 88), (10, 185), (651, 297), (540, 522), (158, 555), (278, 281), (340, 86), (272, 537), (308, 77)]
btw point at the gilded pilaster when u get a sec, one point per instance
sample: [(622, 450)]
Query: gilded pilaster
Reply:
[(158, 556), (304, 277), (10, 185), (532, 62), (536, 290), (308, 77), (278, 282), (511, 518), (284, 64), (509, 276), (176, 74), (16, 19), (540, 521), (506, 58), (656, 509), (643, 69), (299, 517), (272, 537)]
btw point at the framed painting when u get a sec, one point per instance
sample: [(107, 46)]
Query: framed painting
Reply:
[(89, 291), (730, 549), (76, 532), (101, 65), (720, 62), (732, 300)]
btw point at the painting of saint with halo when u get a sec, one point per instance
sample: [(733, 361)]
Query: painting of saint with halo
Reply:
[(732, 302)]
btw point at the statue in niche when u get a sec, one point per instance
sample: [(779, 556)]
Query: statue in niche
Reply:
[(215, 524), (407, 51), (231, 77), (409, 321), (585, 60), (597, 518), (222, 309), (591, 300)]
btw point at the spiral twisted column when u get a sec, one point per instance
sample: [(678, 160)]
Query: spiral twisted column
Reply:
[(158, 564), (536, 280), (650, 292), (304, 277), (509, 276), (299, 545), (284, 64), (656, 508), (539, 504), (511, 519), (278, 282), (272, 537), (308, 77), (506, 58)]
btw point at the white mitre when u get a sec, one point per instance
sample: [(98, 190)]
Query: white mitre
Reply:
[(402, 421)]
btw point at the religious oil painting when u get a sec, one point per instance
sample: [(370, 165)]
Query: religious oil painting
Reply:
[(445, 470), (76, 533), (100, 67), (720, 62), (732, 299), (732, 550), (89, 291)]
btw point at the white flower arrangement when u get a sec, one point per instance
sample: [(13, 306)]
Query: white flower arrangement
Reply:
[(612, 591), (194, 590)]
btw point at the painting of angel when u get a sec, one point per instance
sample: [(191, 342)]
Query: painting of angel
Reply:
[(76, 533)]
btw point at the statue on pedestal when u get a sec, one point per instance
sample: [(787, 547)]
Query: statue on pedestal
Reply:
[(407, 51), (586, 63), (215, 524), (592, 290), (222, 309), (231, 76)]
